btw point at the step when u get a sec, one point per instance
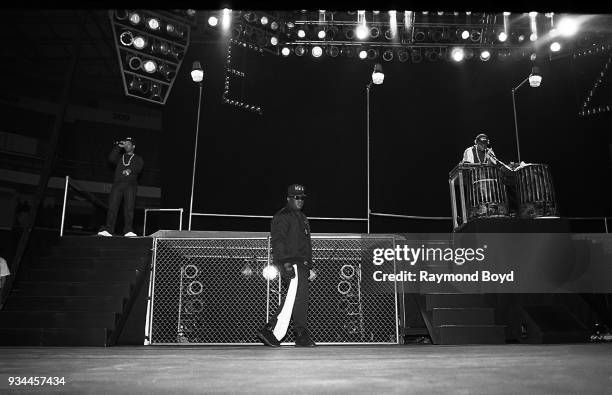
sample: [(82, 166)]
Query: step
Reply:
[(103, 263), (78, 275), (100, 241), (471, 334), (463, 316), (55, 288), (65, 303), (53, 337), (455, 300), (57, 319)]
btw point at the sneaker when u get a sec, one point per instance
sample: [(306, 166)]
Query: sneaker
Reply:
[(130, 234), (302, 339), (104, 233), (267, 337)]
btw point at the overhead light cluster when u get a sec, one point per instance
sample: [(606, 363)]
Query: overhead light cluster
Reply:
[(150, 48)]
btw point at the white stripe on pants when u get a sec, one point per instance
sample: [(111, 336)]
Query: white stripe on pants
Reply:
[(282, 320)]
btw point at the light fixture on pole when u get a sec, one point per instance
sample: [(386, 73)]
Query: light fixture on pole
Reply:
[(197, 75), (535, 79), (378, 78)]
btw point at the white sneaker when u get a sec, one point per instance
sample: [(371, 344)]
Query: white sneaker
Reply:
[(104, 233), (130, 234)]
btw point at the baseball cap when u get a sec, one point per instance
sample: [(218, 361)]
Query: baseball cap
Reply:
[(482, 137), (296, 190), (130, 140)]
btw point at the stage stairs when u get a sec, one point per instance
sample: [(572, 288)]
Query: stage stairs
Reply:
[(79, 294), (460, 319)]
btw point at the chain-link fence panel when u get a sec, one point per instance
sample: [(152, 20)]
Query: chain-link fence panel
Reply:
[(208, 291), (344, 307)]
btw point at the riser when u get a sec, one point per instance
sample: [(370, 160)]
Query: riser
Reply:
[(53, 337), (59, 319), (65, 303), (97, 241), (79, 275), (455, 301), (472, 334), (37, 288), (463, 316)]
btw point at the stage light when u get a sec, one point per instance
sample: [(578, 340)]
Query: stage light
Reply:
[(392, 23), (533, 37), (555, 47), (431, 55), (378, 77), (122, 14), (388, 55), (502, 36), (227, 18), (236, 32), (349, 52), (139, 42), (437, 34), (301, 33), (363, 54), (457, 54), (372, 53), (567, 27), (521, 38), (419, 35), (290, 25), (535, 79), (213, 21), (274, 25), (469, 53), (333, 51), (503, 54), (269, 272), (264, 20), (465, 34), (126, 38), (440, 13), (475, 35), (361, 32), (134, 62), (389, 34), (299, 50), (533, 14), (485, 55), (135, 18), (374, 32), (330, 33), (197, 74), (167, 71), (274, 40), (402, 55), (416, 56), (160, 47), (149, 66), (156, 91), (321, 34), (533, 57), (506, 13), (317, 51), (285, 51), (153, 23)]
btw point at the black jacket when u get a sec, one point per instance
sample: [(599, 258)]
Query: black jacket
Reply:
[(290, 233), (135, 165)]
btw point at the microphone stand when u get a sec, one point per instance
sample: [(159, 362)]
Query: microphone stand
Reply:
[(490, 154)]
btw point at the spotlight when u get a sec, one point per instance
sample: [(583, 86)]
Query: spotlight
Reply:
[(506, 13), (170, 29), (437, 35), (521, 38), (389, 35), (457, 54), (431, 55), (465, 34), (485, 55), (139, 42), (330, 33), (264, 20), (503, 54), (317, 51), (121, 14), (567, 27), (333, 51), (419, 35), (416, 56), (227, 18), (153, 23), (535, 79), (475, 35), (167, 71), (285, 51), (533, 37), (149, 66), (126, 38), (156, 91), (236, 32), (372, 53), (274, 40), (374, 32), (363, 54), (143, 86), (388, 55), (402, 55), (212, 21), (361, 32), (349, 52), (321, 34), (502, 36), (533, 14), (269, 272), (377, 75), (160, 47), (274, 25), (301, 33), (555, 47), (134, 62), (469, 53), (135, 18), (349, 34), (197, 74), (299, 50)]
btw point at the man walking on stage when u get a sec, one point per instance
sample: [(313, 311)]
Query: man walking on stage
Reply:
[(127, 168), (292, 253)]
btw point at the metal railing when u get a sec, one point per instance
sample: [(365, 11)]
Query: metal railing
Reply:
[(269, 217), (180, 211), (72, 184)]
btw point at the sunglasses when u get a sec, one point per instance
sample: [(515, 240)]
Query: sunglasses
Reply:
[(298, 197)]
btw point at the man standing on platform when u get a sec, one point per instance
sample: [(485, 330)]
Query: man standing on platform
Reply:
[(292, 254), (127, 168), (480, 151)]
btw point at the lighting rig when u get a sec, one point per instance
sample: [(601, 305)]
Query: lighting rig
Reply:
[(150, 49)]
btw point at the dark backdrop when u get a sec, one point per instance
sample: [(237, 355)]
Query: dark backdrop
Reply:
[(313, 131)]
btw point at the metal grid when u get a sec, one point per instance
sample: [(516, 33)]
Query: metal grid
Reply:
[(211, 291)]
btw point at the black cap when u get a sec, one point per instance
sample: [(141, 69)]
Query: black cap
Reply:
[(296, 190)]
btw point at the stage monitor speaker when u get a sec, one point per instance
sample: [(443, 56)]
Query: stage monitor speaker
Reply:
[(550, 324)]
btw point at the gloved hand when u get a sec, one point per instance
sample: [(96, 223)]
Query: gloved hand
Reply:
[(287, 271), (313, 275)]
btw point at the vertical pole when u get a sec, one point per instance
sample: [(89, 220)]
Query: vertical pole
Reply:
[(181, 220), (195, 153), (64, 206), (606, 223), (368, 147), (518, 148), (144, 226)]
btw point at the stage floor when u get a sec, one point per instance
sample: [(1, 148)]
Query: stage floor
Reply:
[(554, 369)]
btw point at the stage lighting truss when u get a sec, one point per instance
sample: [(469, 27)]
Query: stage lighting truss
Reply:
[(230, 71), (589, 106), (151, 53)]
